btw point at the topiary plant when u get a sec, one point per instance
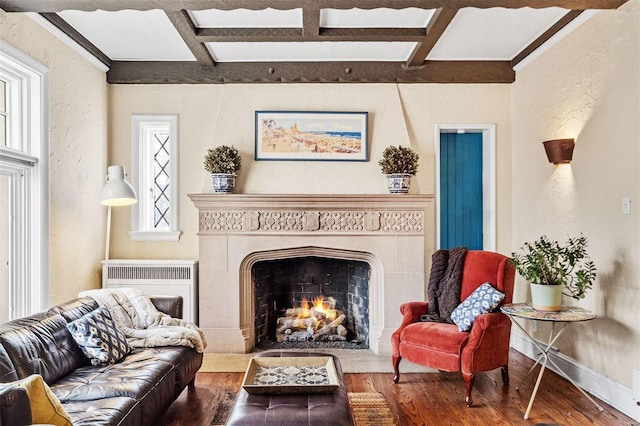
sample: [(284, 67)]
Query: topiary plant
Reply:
[(398, 159), (222, 159)]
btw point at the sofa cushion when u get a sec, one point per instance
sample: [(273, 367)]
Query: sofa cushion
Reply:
[(41, 344), (98, 337), (121, 411), (483, 299), (74, 309), (441, 337), (15, 409), (134, 377), (142, 376), (185, 360), (7, 370), (45, 407)]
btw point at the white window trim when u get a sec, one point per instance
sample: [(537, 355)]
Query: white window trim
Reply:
[(140, 123), (29, 160)]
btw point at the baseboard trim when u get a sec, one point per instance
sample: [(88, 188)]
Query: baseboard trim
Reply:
[(613, 393)]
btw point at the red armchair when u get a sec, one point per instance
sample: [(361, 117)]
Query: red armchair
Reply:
[(442, 346)]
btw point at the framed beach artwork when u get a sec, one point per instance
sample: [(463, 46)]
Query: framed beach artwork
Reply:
[(306, 135)]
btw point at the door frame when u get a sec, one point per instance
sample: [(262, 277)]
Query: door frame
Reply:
[(488, 131)]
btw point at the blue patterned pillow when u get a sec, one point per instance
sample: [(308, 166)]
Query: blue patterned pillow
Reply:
[(484, 299), (96, 334)]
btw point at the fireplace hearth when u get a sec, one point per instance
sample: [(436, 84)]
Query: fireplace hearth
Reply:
[(239, 232)]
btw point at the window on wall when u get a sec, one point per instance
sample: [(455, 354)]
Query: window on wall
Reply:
[(3, 113), (155, 177), (23, 184)]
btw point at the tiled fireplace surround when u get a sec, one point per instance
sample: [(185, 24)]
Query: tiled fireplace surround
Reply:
[(238, 230)]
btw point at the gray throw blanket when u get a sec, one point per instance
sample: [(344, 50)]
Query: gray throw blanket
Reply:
[(445, 284)]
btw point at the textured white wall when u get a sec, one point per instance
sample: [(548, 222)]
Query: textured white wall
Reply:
[(212, 115), (587, 86), (78, 117)]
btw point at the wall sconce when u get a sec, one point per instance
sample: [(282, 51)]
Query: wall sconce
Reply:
[(559, 151)]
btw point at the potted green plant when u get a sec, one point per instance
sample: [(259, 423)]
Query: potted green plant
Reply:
[(552, 267), (223, 162), (399, 164)]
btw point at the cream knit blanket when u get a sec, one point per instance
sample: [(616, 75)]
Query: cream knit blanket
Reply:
[(143, 325)]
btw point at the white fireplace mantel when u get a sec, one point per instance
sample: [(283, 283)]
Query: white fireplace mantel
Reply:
[(237, 230)]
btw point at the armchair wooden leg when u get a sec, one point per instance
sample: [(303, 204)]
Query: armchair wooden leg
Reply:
[(505, 374), (468, 378), (396, 368)]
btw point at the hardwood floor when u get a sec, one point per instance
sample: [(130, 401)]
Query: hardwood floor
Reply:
[(435, 399)]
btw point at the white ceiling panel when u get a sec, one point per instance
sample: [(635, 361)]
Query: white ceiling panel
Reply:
[(245, 18), (311, 51), (493, 34), (129, 35), (375, 18)]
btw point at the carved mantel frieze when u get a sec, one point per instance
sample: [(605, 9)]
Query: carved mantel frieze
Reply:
[(315, 214)]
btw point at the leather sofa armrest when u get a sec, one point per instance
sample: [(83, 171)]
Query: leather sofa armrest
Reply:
[(170, 305), (15, 409)]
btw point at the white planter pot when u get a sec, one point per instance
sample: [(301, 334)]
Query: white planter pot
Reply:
[(398, 183), (223, 182), (546, 297)]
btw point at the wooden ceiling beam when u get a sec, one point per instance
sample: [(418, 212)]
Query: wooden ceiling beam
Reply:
[(206, 70), (177, 5), (187, 30), (438, 24), (74, 35), (372, 34), (310, 72), (562, 22), (211, 35), (310, 23)]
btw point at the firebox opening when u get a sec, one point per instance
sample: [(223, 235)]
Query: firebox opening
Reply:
[(311, 302)]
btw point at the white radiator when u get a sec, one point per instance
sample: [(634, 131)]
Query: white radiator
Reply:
[(156, 277)]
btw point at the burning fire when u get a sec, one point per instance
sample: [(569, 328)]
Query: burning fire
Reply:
[(316, 320), (318, 307)]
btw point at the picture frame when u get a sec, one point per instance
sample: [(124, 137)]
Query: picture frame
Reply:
[(311, 135)]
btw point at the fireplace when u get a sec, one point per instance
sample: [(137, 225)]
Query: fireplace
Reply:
[(238, 232), (311, 302)]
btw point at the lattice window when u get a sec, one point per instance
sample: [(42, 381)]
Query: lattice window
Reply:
[(3, 113), (161, 181), (155, 142)]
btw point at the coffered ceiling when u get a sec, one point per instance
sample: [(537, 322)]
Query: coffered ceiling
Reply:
[(285, 41)]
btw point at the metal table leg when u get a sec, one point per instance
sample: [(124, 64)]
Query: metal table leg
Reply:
[(544, 357)]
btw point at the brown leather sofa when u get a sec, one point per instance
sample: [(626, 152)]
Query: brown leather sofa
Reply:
[(135, 391)]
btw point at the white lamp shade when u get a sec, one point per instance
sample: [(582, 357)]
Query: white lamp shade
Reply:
[(117, 191)]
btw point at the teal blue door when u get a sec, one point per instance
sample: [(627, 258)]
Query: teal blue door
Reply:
[(461, 190)]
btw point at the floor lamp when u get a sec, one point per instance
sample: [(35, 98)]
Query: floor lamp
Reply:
[(116, 192)]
